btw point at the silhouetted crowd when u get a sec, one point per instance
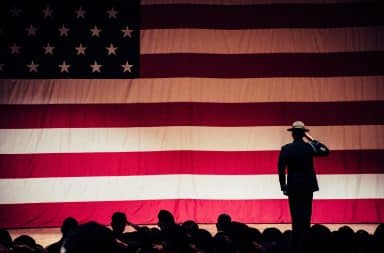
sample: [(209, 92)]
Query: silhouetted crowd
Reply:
[(170, 237)]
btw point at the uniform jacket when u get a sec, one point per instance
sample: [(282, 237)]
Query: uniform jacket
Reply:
[(297, 159)]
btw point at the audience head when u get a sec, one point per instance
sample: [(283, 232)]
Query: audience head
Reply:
[(24, 244), (69, 224), (254, 234), (318, 239), (271, 235), (364, 241), (346, 233), (202, 240), (189, 227), (90, 237), (223, 243), (321, 233), (5, 239), (378, 237), (25, 240), (118, 222), (223, 222), (165, 219), (379, 232)]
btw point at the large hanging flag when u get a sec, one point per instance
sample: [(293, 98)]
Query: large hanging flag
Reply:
[(184, 105)]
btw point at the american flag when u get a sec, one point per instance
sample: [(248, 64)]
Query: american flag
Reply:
[(184, 105), (70, 39)]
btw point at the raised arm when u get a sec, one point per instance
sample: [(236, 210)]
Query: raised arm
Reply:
[(319, 148)]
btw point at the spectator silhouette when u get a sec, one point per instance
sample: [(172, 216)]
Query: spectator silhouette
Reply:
[(222, 239), (90, 237), (69, 224), (379, 238), (343, 240), (223, 222), (5, 241), (271, 239), (25, 240), (173, 237), (235, 236), (191, 230), (364, 242), (118, 224), (189, 227), (318, 240), (201, 241), (26, 244), (189, 238)]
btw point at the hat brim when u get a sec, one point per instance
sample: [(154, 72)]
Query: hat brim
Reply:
[(298, 129)]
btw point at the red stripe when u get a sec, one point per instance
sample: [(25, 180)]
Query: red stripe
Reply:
[(145, 212), (191, 114), (178, 162), (262, 65), (260, 16)]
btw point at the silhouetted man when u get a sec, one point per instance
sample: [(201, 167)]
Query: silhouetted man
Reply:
[(118, 223), (172, 234), (90, 237), (301, 182), (223, 223), (68, 226)]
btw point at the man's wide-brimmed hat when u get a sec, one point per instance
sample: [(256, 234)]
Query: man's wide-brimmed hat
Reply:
[(298, 126)]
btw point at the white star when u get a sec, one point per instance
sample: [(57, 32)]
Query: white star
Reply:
[(15, 49), (127, 67), (95, 31), (80, 13), (63, 31), (111, 49), (64, 67), (47, 12), (48, 49), (112, 13), (32, 67), (15, 12), (2, 67), (127, 32), (95, 67), (31, 30), (80, 49)]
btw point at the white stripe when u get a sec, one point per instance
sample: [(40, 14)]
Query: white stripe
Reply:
[(244, 2), (152, 90), (251, 41), (79, 189), (73, 140)]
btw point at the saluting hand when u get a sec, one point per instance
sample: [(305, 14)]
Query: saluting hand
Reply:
[(308, 137)]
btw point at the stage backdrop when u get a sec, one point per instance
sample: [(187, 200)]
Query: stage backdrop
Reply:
[(184, 105)]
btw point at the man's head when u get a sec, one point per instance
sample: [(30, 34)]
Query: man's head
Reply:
[(298, 129)]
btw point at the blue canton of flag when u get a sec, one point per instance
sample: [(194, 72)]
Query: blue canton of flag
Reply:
[(70, 39)]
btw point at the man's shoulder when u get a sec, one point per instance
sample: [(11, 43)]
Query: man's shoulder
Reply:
[(287, 147), (295, 145)]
